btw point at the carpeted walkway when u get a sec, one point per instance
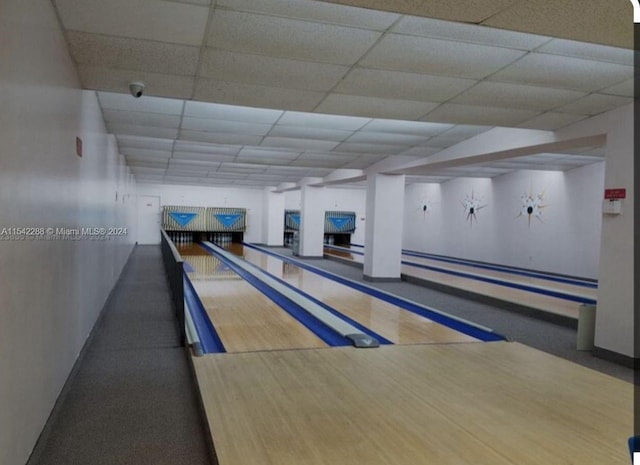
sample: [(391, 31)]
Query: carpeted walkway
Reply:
[(131, 398)]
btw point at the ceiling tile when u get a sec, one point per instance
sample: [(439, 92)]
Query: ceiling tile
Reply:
[(623, 89), (240, 168), (288, 38), (145, 131), (144, 142), (302, 144), (269, 71), (588, 51), (133, 54), (219, 137), (327, 163), (208, 157), (256, 96), (389, 138), (592, 21), (147, 154), (371, 148), (546, 70), (193, 164), (593, 104), (160, 164), (421, 151), (140, 19), (408, 86), (141, 118), (464, 131), (551, 121), (187, 173), (482, 115), (434, 56), (186, 146), (231, 112), (478, 34), (306, 132), (117, 80), (373, 107), (322, 121), (417, 128), (217, 125), (268, 153), (316, 11), (500, 94)]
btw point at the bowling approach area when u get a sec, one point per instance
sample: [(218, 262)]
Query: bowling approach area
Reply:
[(276, 346)]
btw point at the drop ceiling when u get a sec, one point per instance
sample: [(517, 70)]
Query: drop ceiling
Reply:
[(255, 94)]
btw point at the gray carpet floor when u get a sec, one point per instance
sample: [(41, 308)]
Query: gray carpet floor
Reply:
[(131, 398)]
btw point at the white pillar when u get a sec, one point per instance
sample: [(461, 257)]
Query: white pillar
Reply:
[(383, 228), (312, 208), (272, 217), (614, 315)]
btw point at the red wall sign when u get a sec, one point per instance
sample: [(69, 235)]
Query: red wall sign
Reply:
[(613, 194)]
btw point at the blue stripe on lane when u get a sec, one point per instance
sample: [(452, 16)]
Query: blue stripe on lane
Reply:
[(523, 287), (324, 332), (364, 329), (461, 326), (502, 268)]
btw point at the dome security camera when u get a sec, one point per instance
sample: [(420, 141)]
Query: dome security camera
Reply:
[(136, 89)]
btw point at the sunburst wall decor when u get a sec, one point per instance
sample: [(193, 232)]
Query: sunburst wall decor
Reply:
[(472, 205), (531, 206)]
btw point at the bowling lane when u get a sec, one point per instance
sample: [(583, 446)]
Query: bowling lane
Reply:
[(506, 276), (245, 319), (527, 298), (394, 323)]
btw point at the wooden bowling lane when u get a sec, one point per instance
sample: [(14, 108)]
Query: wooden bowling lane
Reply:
[(452, 404), (244, 318), (394, 323), (540, 302), (582, 291)]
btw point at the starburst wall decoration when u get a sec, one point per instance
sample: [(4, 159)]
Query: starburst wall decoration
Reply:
[(531, 206), (425, 207), (472, 205)]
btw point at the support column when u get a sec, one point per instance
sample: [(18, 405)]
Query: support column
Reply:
[(383, 228), (312, 208), (272, 217)]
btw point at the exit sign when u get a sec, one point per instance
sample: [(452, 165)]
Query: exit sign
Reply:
[(614, 194)]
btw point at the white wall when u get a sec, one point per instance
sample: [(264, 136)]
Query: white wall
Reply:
[(499, 235), (51, 292), (197, 196), (336, 198)]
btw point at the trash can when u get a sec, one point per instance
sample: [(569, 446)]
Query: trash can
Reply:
[(586, 327)]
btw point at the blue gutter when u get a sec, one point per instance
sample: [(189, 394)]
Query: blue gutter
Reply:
[(324, 332), (364, 329), (209, 339), (522, 287), (446, 320), (531, 274), (501, 268)]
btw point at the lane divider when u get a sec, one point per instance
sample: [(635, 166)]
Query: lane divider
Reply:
[(362, 328), (459, 324), (499, 282), (332, 329), (502, 268), (210, 342)]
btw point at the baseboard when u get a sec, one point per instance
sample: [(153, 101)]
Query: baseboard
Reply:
[(615, 357)]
